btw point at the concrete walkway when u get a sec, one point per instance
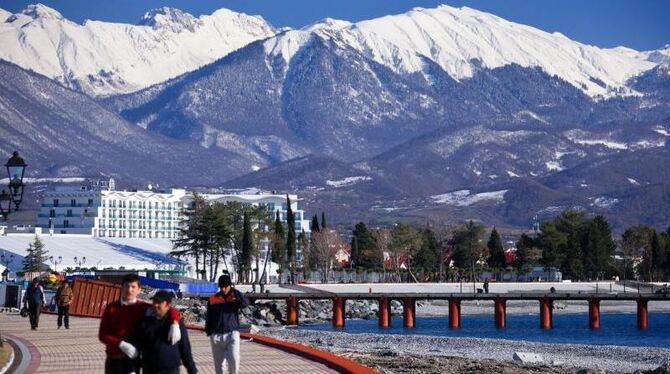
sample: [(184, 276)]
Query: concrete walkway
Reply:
[(78, 350)]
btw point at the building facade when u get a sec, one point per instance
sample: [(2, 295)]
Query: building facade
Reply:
[(108, 213), (101, 211)]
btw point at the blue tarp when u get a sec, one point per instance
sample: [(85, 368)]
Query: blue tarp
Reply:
[(159, 284), (200, 288)]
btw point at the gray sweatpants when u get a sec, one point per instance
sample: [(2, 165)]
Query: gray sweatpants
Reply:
[(226, 352)]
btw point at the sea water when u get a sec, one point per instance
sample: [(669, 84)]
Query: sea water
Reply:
[(615, 328)]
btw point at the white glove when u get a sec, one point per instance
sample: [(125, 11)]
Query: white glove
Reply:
[(174, 336), (128, 349)]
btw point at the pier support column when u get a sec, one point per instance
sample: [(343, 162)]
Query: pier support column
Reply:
[(455, 313), (546, 313), (500, 312), (292, 311), (642, 319), (384, 312), (338, 312), (408, 311), (594, 313)]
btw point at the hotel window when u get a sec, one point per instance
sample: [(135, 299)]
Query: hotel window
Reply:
[(55, 202), (90, 202), (52, 213), (66, 223), (73, 202), (69, 212)]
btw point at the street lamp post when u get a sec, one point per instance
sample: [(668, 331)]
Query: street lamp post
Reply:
[(16, 169), (56, 261), (79, 261), (6, 260)]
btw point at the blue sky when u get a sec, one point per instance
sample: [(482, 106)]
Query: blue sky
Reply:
[(642, 24)]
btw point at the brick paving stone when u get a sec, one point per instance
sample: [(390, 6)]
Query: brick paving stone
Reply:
[(78, 350)]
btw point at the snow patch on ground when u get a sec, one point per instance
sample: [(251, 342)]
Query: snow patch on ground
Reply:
[(465, 198), (633, 181), (662, 131), (348, 181), (604, 202), (604, 142), (554, 166), (512, 174)]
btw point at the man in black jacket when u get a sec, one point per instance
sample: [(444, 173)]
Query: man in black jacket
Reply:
[(157, 354), (223, 325)]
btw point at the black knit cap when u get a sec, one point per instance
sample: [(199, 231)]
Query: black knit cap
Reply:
[(161, 296), (224, 280)]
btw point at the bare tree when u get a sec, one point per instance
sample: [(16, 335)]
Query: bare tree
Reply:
[(382, 242), (325, 244)]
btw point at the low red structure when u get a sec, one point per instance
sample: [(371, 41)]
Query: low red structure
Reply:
[(384, 312), (594, 313), (455, 313), (338, 312), (90, 297), (500, 312), (409, 312), (642, 319), (546, 313), (292, 311)]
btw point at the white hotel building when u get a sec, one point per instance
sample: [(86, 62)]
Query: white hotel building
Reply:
[(101, 211)]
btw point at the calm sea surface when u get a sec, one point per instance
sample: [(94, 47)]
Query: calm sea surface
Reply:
[(615, 329)]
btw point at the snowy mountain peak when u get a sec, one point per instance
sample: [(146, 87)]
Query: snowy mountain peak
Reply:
[(106, 58), (327, 24), (170, 18), (36, 11)]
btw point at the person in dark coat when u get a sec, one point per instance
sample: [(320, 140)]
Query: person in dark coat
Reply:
[(223, 324), (151, 338), (33, 299)]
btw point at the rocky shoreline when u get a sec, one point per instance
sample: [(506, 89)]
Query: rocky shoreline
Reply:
[(428, 354)]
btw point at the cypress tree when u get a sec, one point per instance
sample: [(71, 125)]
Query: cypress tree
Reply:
[(279, 245), (323, 220), (496, 251), (657, 257), (315, 224), (290, 238)]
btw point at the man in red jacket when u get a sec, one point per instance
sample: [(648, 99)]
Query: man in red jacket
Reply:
[(118, 323)]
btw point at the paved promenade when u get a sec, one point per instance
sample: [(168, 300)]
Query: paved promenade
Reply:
[(78, 350)]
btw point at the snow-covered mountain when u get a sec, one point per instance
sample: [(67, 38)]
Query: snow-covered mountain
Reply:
[(463, 40), (385, 114), (103, 58)]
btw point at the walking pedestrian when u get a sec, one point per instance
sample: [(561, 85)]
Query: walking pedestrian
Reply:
[(118, 323), (33, 300), (223, 325), (64, 297), (486, 285), (157, 354)]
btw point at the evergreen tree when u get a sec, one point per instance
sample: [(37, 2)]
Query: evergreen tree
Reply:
[(467, 245), (315, 224), (323, 220), (279, 243), (427, 258), (247, 248), (290, 238), (657, 257), (496, 251), (599, 246), (36, 256), (522, 256), (363, 248)]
